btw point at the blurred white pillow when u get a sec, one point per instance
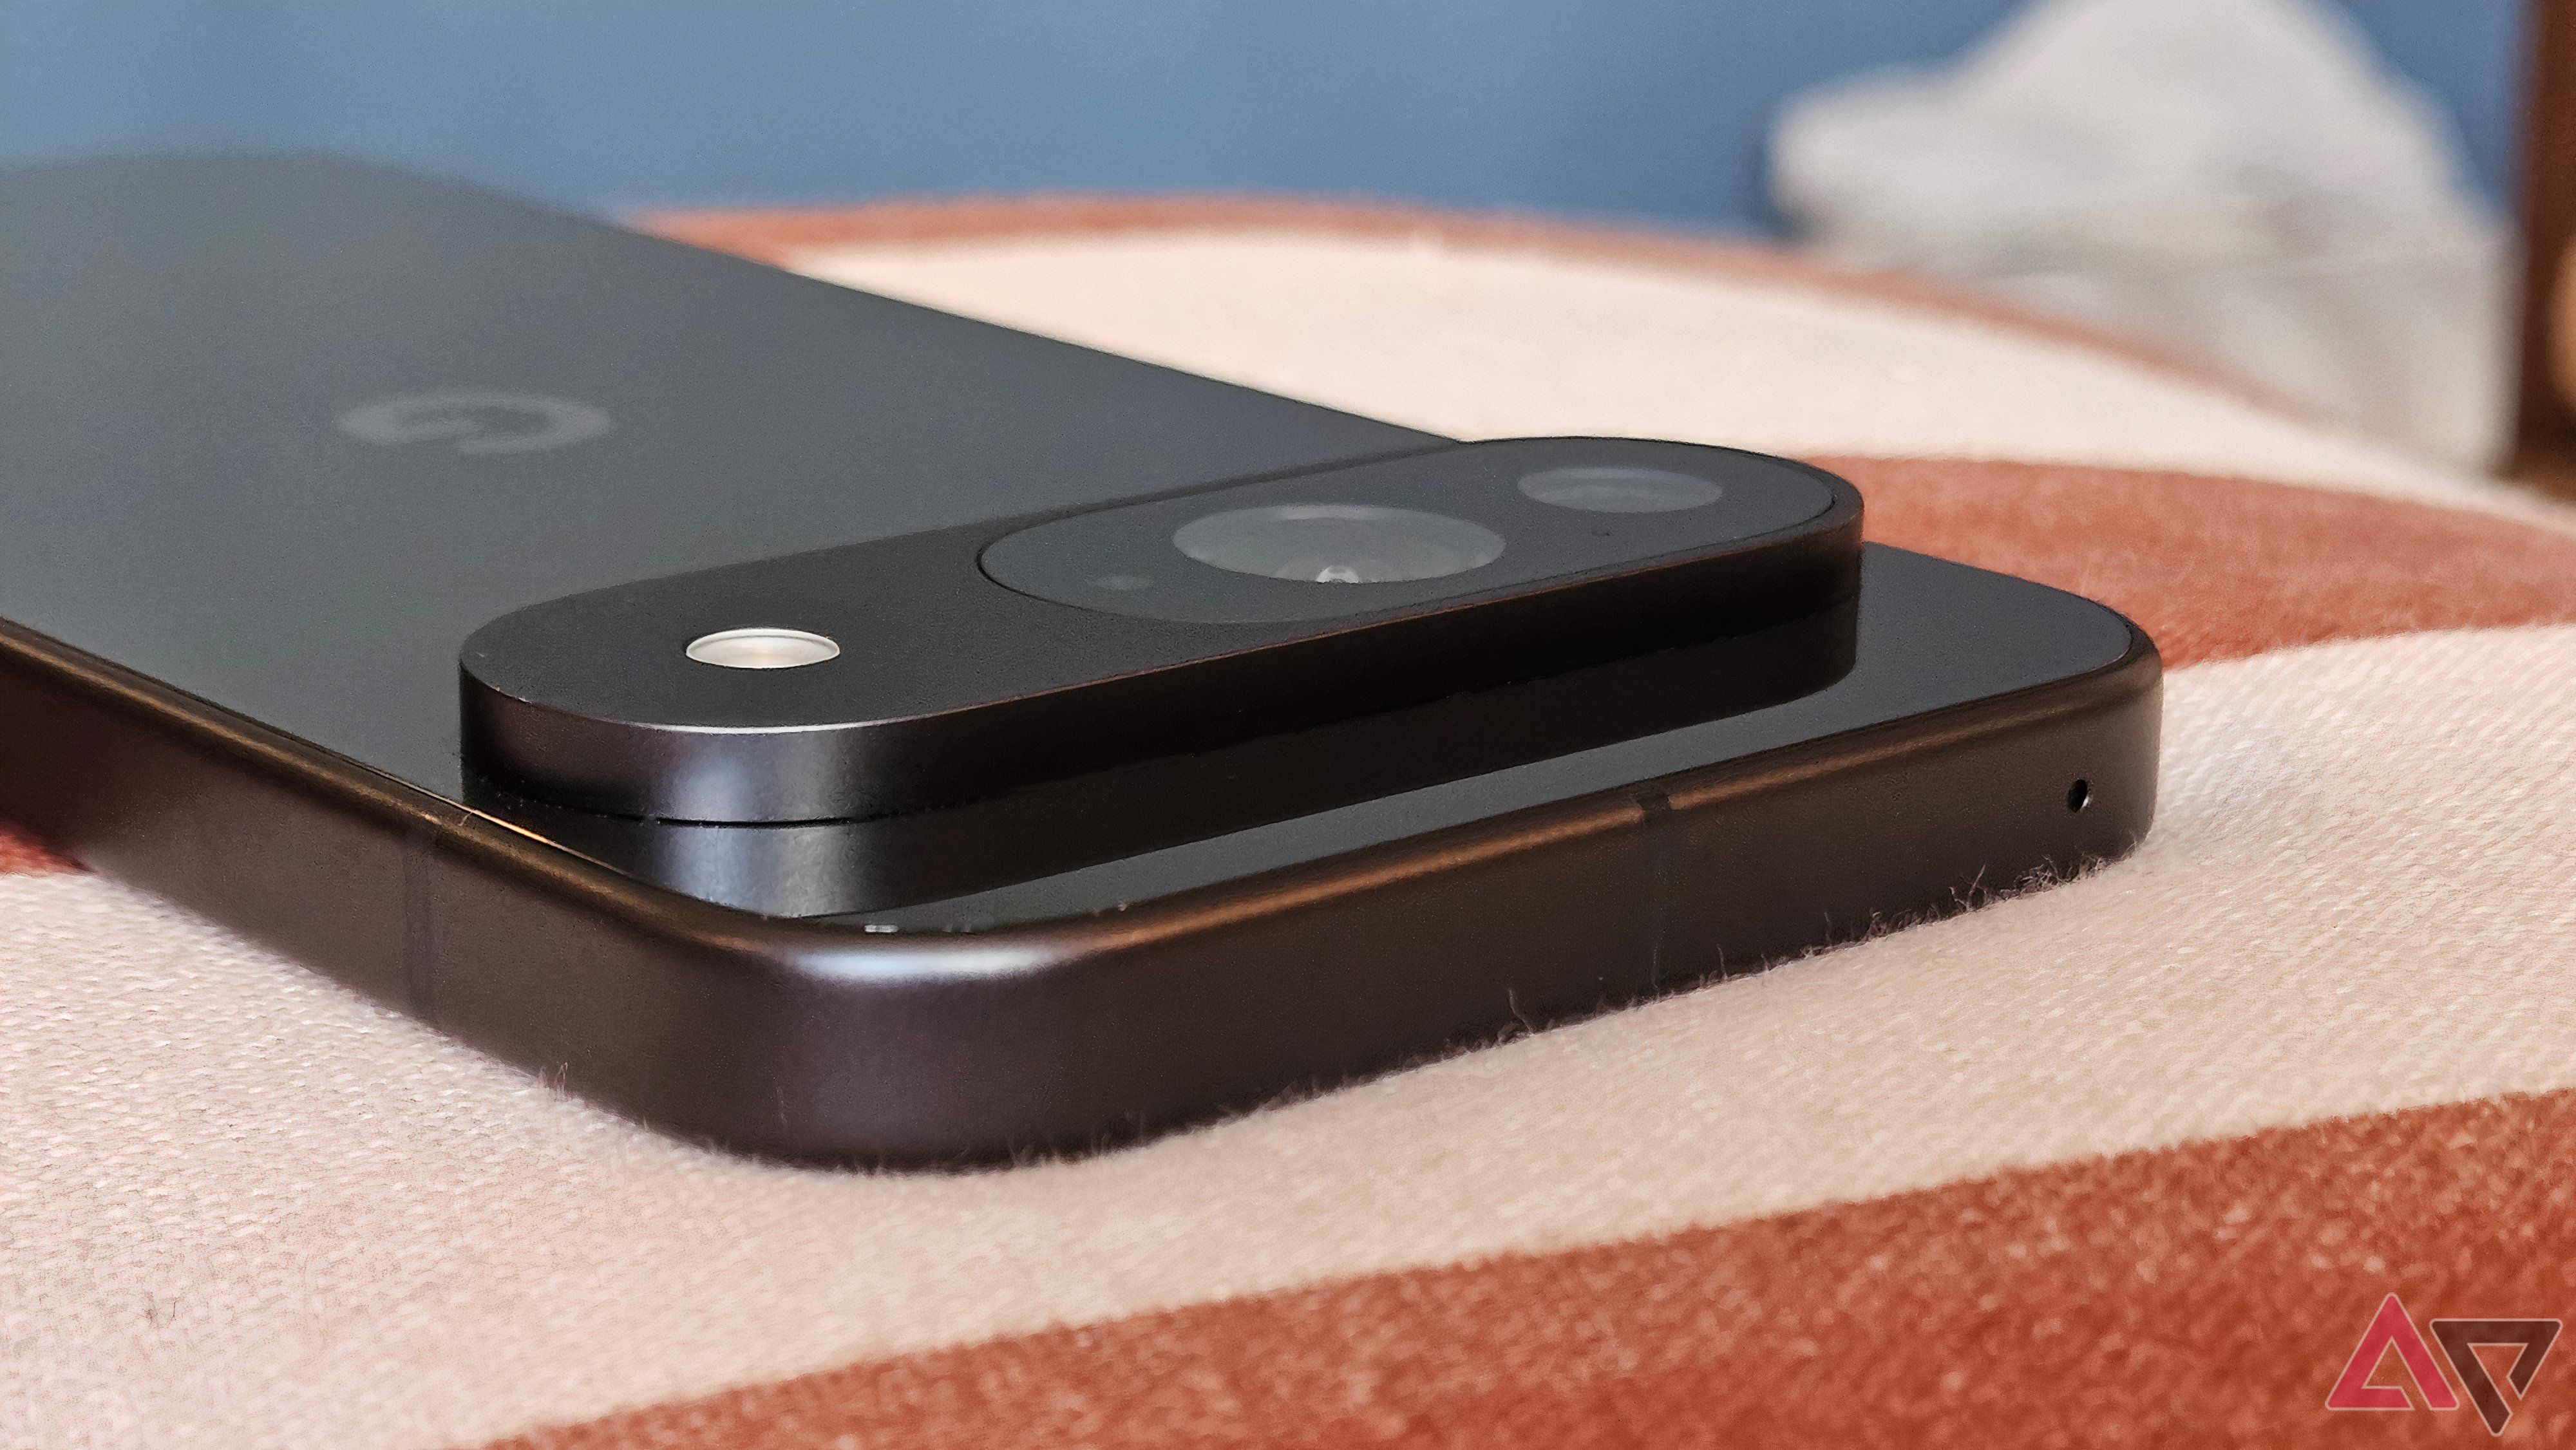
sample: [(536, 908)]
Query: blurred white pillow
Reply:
[(2236, 180)]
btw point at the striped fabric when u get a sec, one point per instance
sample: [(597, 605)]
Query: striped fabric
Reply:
[(2130, 1162)]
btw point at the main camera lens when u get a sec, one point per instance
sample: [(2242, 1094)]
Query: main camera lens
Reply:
[(1597, 490), (1338, 543)]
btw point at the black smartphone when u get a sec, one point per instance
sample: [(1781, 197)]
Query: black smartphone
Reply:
[(840, 730)]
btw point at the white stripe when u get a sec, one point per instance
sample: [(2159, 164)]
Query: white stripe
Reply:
[(1482, 341)]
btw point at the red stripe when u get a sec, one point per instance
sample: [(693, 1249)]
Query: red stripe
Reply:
[(2200, 1296), (2221, 568), (20, 853)]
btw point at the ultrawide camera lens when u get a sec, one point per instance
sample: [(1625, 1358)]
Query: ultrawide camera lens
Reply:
[(1600, 490), (1338, 543)]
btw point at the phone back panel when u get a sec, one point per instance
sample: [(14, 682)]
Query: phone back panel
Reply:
[(277, 435), (282, 431)]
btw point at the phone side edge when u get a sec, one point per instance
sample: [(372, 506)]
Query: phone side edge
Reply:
[(812, 1041)]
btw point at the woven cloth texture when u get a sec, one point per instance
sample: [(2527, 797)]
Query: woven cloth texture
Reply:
[(2126, 1162)]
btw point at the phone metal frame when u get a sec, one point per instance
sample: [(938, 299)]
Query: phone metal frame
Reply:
[(840, 1038)]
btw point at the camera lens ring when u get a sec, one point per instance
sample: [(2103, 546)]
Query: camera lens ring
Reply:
[(1338, 543), (1612, 489)]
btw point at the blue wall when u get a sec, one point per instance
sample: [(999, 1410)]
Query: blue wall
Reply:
[(1603, 106)]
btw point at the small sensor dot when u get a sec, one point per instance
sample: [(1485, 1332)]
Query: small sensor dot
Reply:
[(762, 649)]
